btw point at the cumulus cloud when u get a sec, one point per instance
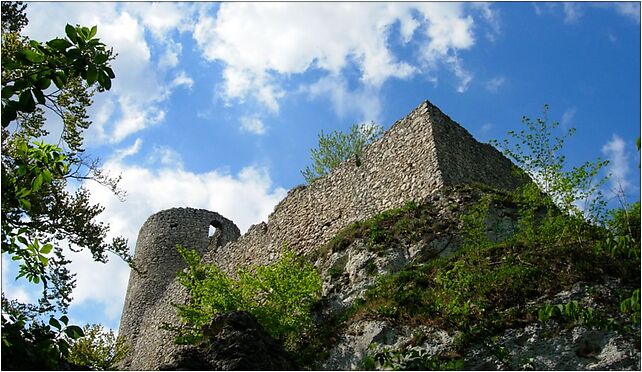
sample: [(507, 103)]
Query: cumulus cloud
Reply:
[(135, 100), (362, 101), (616, 152), (259, 44), (252, 124), (182, 79), (246, 198)]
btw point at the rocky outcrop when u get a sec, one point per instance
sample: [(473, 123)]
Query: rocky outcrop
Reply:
[(234, 342), (555, 346)]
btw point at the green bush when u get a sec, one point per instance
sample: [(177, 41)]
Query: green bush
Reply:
[(99, 349), (279, 295), (30, 344), (337, 147)]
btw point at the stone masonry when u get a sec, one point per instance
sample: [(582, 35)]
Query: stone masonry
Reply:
[(148, 303), (419, 155)]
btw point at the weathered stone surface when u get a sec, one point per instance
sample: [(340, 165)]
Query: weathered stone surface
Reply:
[(235, 342), (420, 154), (552, 346)]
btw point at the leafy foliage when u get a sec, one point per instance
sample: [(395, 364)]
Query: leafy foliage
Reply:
[(33, 67), (29, 344), (409, 360), (537, 151), (279, 295), (99, 349), (337, 147), (38, 209), (483, 287), (632, 305)]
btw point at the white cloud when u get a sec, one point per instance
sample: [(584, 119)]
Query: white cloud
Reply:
[(363, 101), (162, 18), (628, 9), (260, 44), (139, 90), (165, 156), (128, 151), (617, 154), (568, 117), (252, 124), (491, 17), (11, 288), (171, 55), (182, 79), (245, 198), (572, 13), (464, 76), (495, 83)]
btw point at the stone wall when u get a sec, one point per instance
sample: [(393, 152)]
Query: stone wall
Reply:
[(147, 304), (420, 153)]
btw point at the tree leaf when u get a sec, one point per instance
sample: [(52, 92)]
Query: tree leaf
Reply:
[(101, 58), (23, 240), (59, 44), (109, 72), (74, 332), (37, 182), (27, 104), (7, 92), (43, 260), (8, 114), (106, 81), (33, 56), (92, 75), (93, 32), (54, 323), (40, 97), (71, 33), (64, 319), (43, 83), (46, 249), (84, 31)]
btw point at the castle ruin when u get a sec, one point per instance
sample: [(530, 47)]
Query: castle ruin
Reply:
[(419, 155)]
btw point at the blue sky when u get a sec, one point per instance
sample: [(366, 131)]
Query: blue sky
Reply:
[(217, 106)]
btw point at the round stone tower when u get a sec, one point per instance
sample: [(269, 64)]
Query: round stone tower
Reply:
[(157, 262)]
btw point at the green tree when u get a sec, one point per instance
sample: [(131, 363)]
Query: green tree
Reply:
[(41, 211), (537, 151), (99, 349), (280, 295), (38, 210), (30, 344), (337, 147)]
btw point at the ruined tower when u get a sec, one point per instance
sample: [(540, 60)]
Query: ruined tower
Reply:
[(150, 292)]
